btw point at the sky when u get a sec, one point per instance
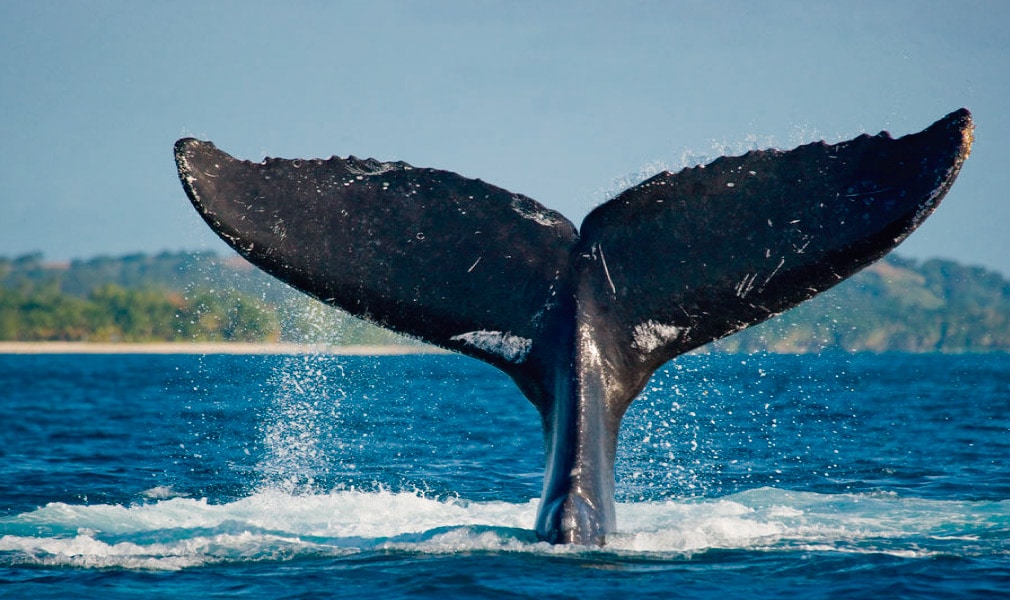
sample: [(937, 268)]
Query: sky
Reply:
[(560, 101)]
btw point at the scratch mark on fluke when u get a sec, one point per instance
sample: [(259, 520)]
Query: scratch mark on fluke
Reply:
[(691, 257)]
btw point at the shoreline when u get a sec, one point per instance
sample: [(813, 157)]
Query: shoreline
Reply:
[(208, 348)]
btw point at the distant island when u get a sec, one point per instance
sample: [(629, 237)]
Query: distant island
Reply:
[(896, 304)]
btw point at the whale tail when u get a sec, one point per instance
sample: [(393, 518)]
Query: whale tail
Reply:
[(579, 318)]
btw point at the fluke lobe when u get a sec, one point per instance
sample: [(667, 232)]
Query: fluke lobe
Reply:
[(579, 319)]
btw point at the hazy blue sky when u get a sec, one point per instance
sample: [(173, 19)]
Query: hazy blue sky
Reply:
[(556, 100)]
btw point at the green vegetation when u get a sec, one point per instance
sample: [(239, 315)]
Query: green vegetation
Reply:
[(111, 313), (895, 305), (166, 297)]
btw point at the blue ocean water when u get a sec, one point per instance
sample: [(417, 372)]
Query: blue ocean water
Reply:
[(766, 476)]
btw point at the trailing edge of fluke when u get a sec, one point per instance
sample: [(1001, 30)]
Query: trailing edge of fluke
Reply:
[(578, 318)]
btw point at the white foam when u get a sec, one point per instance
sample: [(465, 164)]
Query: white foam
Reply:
[(272, 525)]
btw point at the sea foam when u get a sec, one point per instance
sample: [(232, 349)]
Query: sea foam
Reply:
[(272, 525)]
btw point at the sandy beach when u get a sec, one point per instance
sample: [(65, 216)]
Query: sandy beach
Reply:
[(206, 348)]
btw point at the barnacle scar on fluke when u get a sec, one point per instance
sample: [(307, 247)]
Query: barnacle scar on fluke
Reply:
[(578, 318)]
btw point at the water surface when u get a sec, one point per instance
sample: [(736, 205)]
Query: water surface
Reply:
[(413, 476)]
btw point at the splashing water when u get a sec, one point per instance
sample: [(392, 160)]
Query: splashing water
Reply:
[(272, 525), (304, 413), (300, 474)]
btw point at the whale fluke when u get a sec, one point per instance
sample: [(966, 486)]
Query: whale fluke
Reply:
[(579, 319)]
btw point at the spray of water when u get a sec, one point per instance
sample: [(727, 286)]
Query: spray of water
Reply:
[(305, 410)]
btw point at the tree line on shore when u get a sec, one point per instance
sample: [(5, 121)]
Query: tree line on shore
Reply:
[(168, 297), (894, 305)]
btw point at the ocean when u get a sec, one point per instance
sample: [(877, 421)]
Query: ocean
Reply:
[(289, 476)]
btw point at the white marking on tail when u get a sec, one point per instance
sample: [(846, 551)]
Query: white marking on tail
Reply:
[(651, 335), (512, 348)]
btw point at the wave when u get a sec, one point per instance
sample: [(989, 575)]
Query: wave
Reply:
[(169, 533)]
